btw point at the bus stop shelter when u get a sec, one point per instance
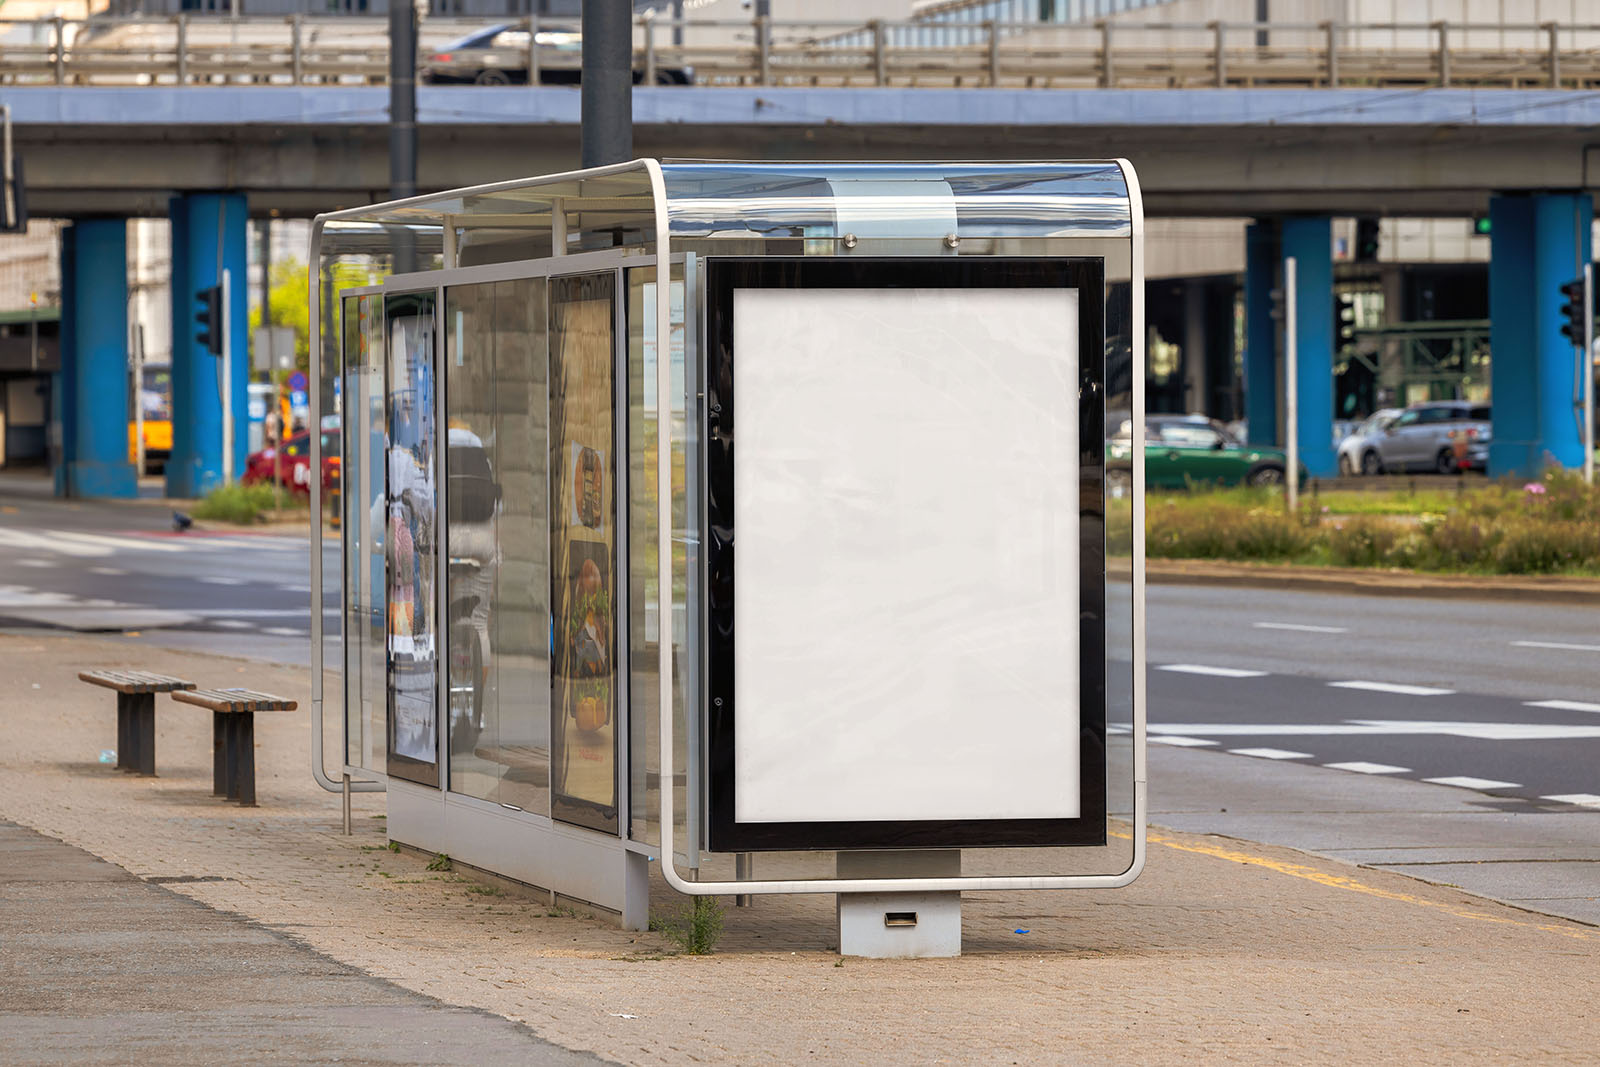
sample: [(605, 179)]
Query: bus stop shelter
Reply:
[(889, 647)]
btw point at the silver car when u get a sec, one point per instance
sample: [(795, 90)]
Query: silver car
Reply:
[(1353, 446), (1424, 437)]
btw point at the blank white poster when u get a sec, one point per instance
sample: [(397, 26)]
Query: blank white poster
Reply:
[(906, 554)]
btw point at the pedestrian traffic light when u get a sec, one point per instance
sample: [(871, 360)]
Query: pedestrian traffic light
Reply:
[(210, 319), (1572, 311), (1366, 240)]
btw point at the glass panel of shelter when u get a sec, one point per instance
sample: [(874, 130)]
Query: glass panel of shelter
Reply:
[(361, 411)]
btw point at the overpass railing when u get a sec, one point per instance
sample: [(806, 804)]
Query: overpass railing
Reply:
[(301, 50)]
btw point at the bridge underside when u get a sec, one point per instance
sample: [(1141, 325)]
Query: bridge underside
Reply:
[(1198, 152)]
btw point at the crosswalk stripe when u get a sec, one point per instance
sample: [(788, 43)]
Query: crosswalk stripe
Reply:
[(144, 544), (1362, 767), (1582, 800), (1561, 705), (1270, 753), (1214, 672), (1466, 781), (1182, 742), (1394, 687)]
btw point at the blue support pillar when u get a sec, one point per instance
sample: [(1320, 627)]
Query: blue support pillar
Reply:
[(208, 237), (1310, 242), (1261, 333), (63, 395), (97, 463), (1539, 243)]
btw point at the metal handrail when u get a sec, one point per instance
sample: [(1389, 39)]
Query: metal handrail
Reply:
[(351, 50)]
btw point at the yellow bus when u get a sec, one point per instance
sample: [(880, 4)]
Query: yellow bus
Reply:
[(155, 396)]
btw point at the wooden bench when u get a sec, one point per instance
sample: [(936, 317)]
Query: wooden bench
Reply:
[(233, 736), (136, 713)]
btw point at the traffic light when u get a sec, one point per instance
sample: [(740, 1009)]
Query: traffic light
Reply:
[(1480, 225), (1366, 240), (1344, 318), (210, 319), (1572, 311)]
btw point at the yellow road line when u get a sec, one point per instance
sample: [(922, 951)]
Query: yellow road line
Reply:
[(1339, 881)]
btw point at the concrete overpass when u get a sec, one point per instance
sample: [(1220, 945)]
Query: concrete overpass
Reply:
[(1292, 158), (300, 150)]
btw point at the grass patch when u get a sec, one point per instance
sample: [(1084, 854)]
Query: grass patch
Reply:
[(1547, 526), (244, 504), (440, 862), (696, 929)]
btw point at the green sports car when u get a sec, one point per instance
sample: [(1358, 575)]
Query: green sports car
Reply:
[(1186, 450)]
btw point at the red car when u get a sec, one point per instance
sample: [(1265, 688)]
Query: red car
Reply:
[(295, 469)]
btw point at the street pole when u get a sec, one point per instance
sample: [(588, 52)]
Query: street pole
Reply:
[(607, 86), (227, 377), (403, 122), (1291, 384), (1588, 374), (138, 399)]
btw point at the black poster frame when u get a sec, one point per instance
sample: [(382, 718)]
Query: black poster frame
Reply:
[(724, 275)]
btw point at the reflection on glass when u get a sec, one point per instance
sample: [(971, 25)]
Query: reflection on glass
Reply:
[(412, 500), (498, 640), (361, 488), (583, 550), (644, 621)]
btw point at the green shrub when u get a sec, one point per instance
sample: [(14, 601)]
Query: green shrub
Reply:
[(696, 929), (242, 503), (1362, 542)]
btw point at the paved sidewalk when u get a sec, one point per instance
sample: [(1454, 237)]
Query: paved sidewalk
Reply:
[(101, 967), (1224, 950)]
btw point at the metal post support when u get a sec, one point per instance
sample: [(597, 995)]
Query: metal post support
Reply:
[(1219, 53), (297, 55), (346, 791), (880, 53), (744, 870), (182, 46), (124, 733), (219, 754), (61, 50), (1554, 30), (1588, 374), (144, 717), (763, 32), (534, 77), (993, 31), (606, 130), (1291, 382), (1108, 70), (1331, 29), (1444, 53), (402, 124), (244, 745), (649, 26)]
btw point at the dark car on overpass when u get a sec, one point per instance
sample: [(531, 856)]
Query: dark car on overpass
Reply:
[(498, 55)]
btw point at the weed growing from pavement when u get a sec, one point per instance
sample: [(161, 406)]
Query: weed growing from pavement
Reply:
[(696, 929), (440, 862), (244, 504)]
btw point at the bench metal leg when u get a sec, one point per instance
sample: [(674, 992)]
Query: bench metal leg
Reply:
[(219, 758), (126, 758), (144, 705), (245, 742), (230, 754)]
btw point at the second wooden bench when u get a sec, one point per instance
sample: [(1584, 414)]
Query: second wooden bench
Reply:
[(233, 736)]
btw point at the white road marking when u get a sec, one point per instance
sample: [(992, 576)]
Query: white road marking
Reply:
[(232, 624), (1479, 731), (35, 562), (1465, 781), (109, 572), (1270, 753), (1215, 672), (1182, 742), (1582, 800), (260, 613), (23, 539), (1561, 705), (217, 579), (1393, 687), (1301, 627), (102, 540), (1562, 645), (1361, 767), (284, 631)]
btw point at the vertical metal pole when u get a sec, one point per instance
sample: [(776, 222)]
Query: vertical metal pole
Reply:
[(1219, 54), (880, 53), (993, 30), (1588, 373), (297, 55), (1555, 54), (61, 50), (607, 88), (763, 32), (649, 27), (347, 805), (743, 870), (1332, 30), (183, 49), (138, 394), (1108, 68), (534, 76), (227, 377), (1444, 53), (1291, 383), (403, 122)]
